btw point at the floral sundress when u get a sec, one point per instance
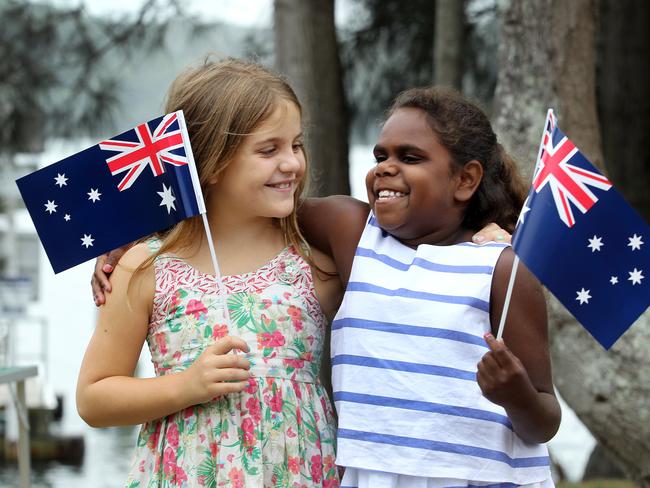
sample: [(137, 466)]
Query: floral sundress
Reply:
[(280, 431)]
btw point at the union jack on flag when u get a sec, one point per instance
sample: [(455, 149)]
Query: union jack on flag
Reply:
[(595, 262), (152, 148), (80, 212), (560, 168)]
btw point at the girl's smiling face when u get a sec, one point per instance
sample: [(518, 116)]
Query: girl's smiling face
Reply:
[(266, 171), (412, 189)]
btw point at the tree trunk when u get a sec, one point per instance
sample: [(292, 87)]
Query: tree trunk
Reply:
[(449, 43), (623, 85), (306, 52), (547, 58)]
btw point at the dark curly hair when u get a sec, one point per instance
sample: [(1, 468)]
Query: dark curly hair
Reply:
[(465, 131)]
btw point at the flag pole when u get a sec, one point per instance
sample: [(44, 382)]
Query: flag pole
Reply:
[(515, 262), (203, 211)]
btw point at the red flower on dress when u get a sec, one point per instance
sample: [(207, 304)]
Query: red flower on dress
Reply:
[(253, 406), (248, 429), (172, 435), (276, 339), (219, 331), (236, 478), (316, 469), (293, 464), (276, 402), (161, 342), (196, 308)]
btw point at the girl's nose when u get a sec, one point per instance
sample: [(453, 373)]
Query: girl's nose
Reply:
[(385, 168), (291, 162)]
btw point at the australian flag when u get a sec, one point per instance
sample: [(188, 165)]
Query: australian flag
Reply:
[(137, 183), (583, 241)]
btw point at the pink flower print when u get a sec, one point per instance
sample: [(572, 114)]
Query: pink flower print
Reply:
[(248, 429), (219, 331), (307, 356), (331, 483), (316, 469), (276, 339), (141, 466), (172, 436), (329, 463), (230, 457), (169, 461), (252, 386), (291, 433), (296, 389), (196, 308), (177, 356), (188, 412), (161, 342), (294, 312), (294, 363), (152, 442), (276, 402), (266, 303), (286, 295), (236, 478), (253, 406), (214, 449), (179, 476)]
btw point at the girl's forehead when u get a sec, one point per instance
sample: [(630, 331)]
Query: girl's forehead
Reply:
[(406, 124), (284, 117)]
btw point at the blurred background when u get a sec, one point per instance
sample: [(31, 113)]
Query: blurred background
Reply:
[(73, 72)]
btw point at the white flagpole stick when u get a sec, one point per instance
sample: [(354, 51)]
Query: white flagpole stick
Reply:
[(202, 210), (515, 262)]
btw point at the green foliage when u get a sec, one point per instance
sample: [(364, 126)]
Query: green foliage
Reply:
[(52, 80)]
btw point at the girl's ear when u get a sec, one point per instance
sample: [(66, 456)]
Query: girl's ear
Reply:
[(469, 177)]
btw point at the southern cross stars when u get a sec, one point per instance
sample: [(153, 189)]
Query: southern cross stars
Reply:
[(87, 240), (60, 180), (50, 207), (583, 296), (635, 242), (636, 276), (94, 194), (595, 243), (168, 198)]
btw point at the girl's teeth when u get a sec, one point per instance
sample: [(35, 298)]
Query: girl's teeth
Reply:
[(390, 194)]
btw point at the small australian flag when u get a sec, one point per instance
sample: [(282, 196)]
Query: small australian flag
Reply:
[(120, 190), (583, 241)]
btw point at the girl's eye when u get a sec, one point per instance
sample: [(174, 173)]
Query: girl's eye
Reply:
[(298, 146), (267, 151), (379, 158), (408, 158)]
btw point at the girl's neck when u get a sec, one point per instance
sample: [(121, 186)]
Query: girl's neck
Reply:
[(441, 237)]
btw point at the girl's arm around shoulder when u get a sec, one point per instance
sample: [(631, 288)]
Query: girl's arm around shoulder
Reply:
[(326, 283), (334, 225), (516, 372), (107, 392)]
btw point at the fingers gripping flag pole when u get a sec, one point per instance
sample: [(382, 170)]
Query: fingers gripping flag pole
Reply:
[(515, 263)]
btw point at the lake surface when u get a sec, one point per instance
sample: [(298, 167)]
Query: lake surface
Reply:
[(66, 304)]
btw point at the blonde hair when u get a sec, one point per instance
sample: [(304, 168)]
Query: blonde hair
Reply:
[(223, 102)]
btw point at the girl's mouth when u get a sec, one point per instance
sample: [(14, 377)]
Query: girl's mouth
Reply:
[(385, 195)]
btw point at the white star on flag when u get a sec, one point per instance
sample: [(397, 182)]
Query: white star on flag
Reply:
[(94, 194), (595, 243), (635, 242), (636, 276), (50, 207), (87, 240), (583, 296), (524, 209), (168, 198), (613, 280), (60, 180), (66, 217)]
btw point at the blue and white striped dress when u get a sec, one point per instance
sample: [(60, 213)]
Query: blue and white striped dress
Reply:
[(405, 345)]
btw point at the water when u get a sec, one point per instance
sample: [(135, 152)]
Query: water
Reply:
[(66, 303)]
